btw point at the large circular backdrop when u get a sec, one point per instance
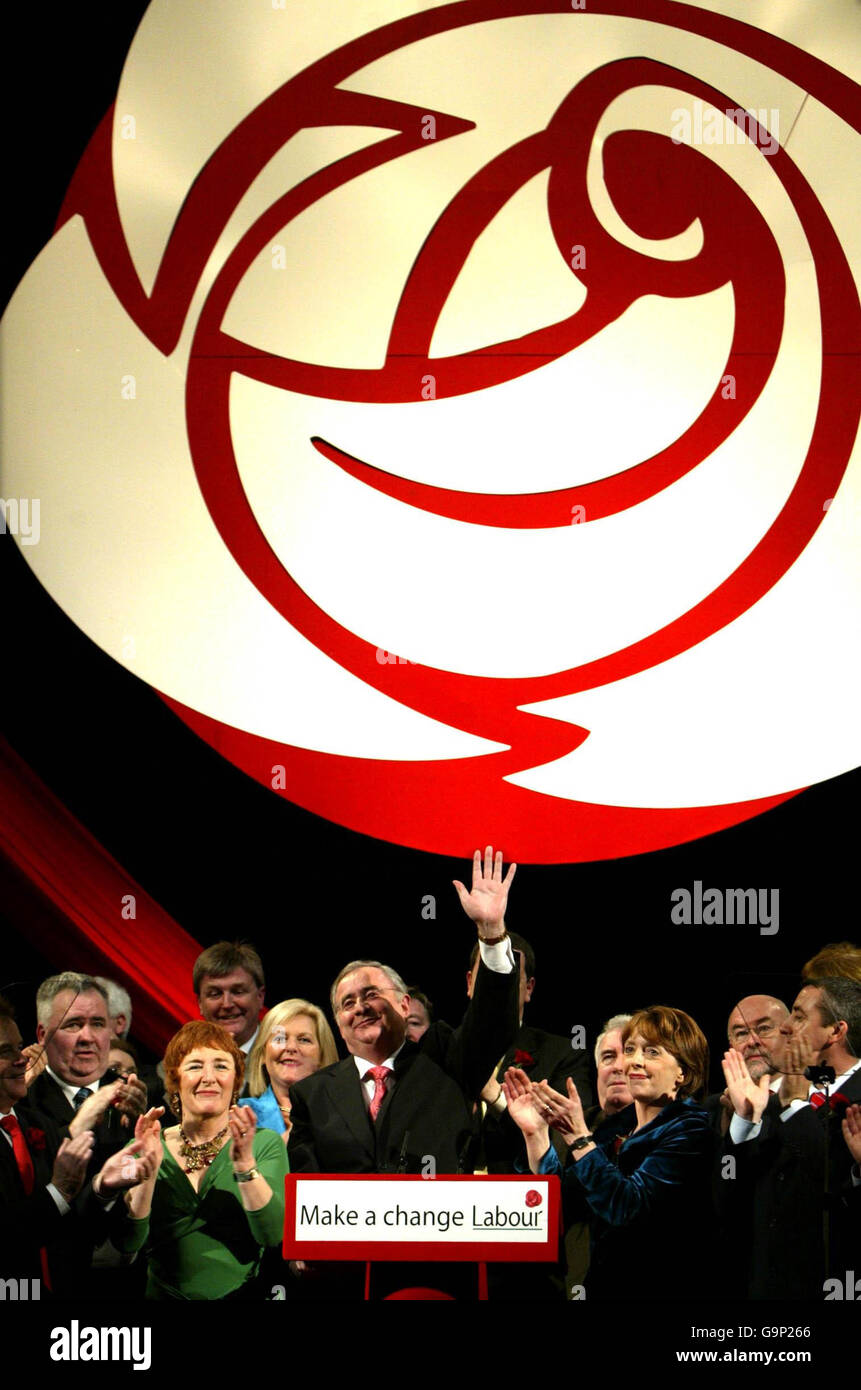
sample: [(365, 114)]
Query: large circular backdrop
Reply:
[(451, 410)]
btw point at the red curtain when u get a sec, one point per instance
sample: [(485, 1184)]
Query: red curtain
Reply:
[(64, 892)]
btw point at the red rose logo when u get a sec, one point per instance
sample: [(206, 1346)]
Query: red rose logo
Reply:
[(533, 1198), (312, 392)]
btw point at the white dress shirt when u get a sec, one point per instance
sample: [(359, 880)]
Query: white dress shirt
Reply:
[(741, 1130)]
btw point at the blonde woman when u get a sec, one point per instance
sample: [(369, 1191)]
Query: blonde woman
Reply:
[(294, 1041)]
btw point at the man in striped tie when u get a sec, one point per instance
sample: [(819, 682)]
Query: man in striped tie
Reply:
[(399, 1106), (393, 1105)]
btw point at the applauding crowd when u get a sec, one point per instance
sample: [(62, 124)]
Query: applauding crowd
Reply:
[(123, 1181)]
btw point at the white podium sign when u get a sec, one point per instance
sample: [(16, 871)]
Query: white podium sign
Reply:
[(371, 1216)]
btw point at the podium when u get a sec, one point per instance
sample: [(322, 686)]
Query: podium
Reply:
[(456, 1219)]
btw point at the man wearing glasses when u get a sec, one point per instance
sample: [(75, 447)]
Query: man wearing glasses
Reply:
[(395, 1106), (754, 1031)]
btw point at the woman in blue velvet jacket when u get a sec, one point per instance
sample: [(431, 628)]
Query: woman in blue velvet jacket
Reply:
[(645, 1180), (294, 1041)]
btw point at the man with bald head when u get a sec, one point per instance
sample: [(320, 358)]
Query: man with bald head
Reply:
[(787, 1150), (753, 1029)]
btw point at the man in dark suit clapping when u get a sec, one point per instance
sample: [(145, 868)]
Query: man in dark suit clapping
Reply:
[(73, 1029), (76, 1092), (42, 1224)]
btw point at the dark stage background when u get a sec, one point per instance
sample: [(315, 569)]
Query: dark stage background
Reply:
[(226, 857)]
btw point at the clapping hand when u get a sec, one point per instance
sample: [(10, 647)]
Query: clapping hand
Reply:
[(563, 1113), (726, 1111), (88, 1115), (70, 1165), (130, 1100), (243, 1123), (147, 1126), (138, 1162), (797, 1055), (37, 1060), (127, 1095), (486, 903), (522, 1105), (852, 1131), (749, 1098)]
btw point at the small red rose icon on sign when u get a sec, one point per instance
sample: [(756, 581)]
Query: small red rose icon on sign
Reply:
[(533, 1198)]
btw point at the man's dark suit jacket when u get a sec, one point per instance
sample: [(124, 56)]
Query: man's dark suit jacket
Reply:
[(27, 1223), (70, 1259), (48, 1098), (30, 1223), (428, 1112), (779, 1190), (541, 1055)]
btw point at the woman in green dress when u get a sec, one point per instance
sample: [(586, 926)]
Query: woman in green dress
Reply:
[(216, 1200)]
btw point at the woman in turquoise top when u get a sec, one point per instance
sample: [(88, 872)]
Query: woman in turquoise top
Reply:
[(216, 1200), (294, 1040)]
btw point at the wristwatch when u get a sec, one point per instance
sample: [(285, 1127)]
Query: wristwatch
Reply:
[(247, 1177), (581, 1142)]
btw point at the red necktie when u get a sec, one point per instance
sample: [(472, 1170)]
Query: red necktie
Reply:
[(28, 1174), (21, 1152), (379, 1074), (816, 1099)]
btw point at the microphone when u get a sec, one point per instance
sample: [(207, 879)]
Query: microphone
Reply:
[(820, 1076), (402, 1157), (464, 1154)]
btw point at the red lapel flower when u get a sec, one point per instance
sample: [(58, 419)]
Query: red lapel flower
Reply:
[(835, 1100), (838, 1101), (36, 1140), (523, 1059)]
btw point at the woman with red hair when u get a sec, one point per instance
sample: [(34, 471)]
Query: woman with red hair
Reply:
[(644, 1185), (216, 1200)]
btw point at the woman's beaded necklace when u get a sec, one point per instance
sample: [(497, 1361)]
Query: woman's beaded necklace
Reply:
[(200, 1155)]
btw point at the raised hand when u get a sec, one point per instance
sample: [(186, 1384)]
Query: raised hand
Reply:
[(852, 1131), (486, 903), (563, 1113), (70, 1165), (749, 1098), (243, 1123)]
